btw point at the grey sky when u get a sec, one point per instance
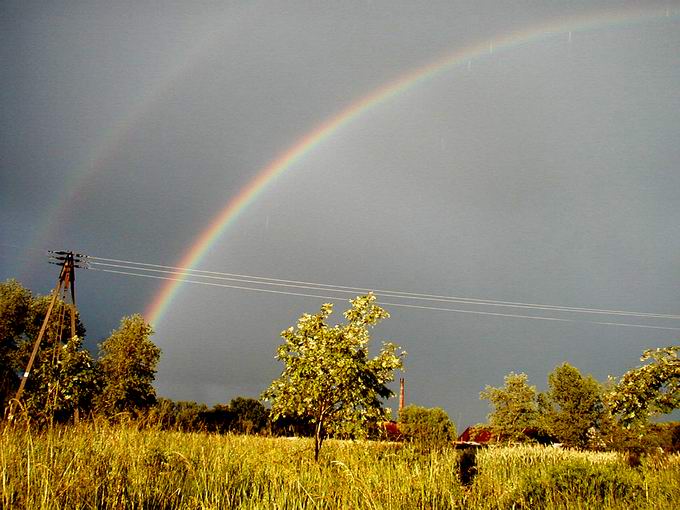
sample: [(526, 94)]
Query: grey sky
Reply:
[(546, 172)]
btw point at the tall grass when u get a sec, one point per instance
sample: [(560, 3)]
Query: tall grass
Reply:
[(544, 477), (102, 466)]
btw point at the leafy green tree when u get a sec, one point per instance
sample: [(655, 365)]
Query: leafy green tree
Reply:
[(329, 377), (219, 418), (58, 328), (79, 378), (162, 414), (190, 415), (128, 360), (15, 302), (515, 407), (63, 383), (62, 374), (185, 416), (575, 410), (648, 390), (244, 415), (250, 416), (426, 428), (295, 425)]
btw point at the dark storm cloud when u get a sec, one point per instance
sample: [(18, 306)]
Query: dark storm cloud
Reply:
[(544, 173)]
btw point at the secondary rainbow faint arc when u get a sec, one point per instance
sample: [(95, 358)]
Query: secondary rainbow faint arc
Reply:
[(307, 143)]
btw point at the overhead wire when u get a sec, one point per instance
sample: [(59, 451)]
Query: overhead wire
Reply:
[(278, 282), (404, 305)]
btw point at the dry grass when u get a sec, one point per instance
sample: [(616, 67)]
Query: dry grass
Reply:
[(102, 466)]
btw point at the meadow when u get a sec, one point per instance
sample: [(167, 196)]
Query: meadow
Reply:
[(105, 466)]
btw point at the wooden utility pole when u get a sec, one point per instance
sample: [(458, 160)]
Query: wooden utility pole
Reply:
[(67, 281)]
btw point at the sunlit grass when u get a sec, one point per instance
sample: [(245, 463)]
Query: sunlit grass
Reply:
[(102, 466)]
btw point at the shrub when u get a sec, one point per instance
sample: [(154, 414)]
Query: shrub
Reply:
[(426, 428)]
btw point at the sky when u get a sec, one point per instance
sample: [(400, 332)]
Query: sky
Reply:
[(517, 151)]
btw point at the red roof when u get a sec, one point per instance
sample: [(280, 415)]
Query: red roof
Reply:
[(476, 434)]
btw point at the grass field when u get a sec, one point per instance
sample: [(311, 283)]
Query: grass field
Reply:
[(103, 466)]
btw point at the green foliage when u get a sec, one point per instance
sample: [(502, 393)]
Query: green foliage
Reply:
[(648, 390), (664, 435), (575, 409), (646, 439), (249, 415), (59, 328), (63, 378), (328, 375), (515, 407), (219, 419), (300, 426), (15, 302), (62, 383), (189, 416), (79, 376), (65, 382), (241, 415), (128, 360), (426, 428), (185, 416)]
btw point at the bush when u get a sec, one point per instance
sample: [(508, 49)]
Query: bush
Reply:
[(426, 428)]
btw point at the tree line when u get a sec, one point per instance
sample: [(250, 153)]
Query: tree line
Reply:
[(66, 382), (329, 378), (578, 411), (329, 385)]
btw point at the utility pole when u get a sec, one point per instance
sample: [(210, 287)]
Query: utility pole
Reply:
[(68, 261)]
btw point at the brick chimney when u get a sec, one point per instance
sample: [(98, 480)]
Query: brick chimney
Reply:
[(402, 398)]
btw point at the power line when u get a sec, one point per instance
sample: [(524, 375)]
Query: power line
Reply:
[(213, 284), (405, 305), (260, 280)]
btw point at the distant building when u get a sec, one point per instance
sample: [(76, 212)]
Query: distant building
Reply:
[(483, 435), (478, 434)]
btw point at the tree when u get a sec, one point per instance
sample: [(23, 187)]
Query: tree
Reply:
[(328, 376), (58, 328), (186, 416), (44, 397), (79, 378), (219, 419), (515, 407), (63, 383), (250, 416), (426, 428), (128, 360), (575, 409), (647, 390), (15, 302), (62, 377)]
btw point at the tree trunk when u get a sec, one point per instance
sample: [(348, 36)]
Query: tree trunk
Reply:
[(318, 440)]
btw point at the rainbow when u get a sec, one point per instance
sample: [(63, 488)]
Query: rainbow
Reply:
[(266, 176)]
